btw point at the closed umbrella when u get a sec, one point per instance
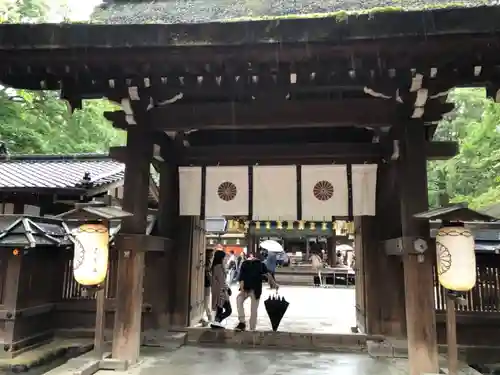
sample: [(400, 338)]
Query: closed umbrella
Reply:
[(271, 246), (276, 307)]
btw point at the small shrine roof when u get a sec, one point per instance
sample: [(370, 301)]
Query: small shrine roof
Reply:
[(49, 172), (457, 212), (30, 231)]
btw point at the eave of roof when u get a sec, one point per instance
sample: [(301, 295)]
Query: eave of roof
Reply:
[(46, 173), (197, 11), (332, 29)]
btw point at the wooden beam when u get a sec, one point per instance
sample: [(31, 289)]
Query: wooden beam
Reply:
[(127, 325), (418, 269), (310, 153), (279, 154), (142, 242), (273, 113), (441, 150)]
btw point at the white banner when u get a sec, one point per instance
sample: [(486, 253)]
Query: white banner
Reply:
[(189, 191), (274, 193), (364, 189), (324, 192), (226, 192)]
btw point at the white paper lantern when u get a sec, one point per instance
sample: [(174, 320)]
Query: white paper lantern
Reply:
[(90, 262), (456, 259)]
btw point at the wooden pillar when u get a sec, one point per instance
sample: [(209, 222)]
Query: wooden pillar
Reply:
[(250, 243), (382, 275), (182, 272), (168, 215), (418, 273), (308, 249), (10, 299), (331, 249), (127, 324)]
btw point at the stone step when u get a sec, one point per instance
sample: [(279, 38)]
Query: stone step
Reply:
[(164, 339), (277, 340)]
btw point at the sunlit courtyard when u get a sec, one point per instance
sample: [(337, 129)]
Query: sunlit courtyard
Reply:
[(311, 310)]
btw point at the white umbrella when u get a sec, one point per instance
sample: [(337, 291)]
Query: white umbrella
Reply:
[(344, 247), (271, 246)]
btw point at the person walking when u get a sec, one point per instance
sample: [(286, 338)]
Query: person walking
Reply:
[(239, 261), (231, 267), (271, 263), (208, 283), (251, 273), (220, 290), (317, 266)]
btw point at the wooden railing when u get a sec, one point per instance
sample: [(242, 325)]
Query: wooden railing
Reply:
[(485, 296), (71, 290)]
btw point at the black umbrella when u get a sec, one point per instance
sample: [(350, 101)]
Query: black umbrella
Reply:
[(276, 307)]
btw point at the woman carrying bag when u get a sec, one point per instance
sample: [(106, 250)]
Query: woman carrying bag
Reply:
[(220, 290)]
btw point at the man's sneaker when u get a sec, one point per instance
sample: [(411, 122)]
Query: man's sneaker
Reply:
[(240, 327)]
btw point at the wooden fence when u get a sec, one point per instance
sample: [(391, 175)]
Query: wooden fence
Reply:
[(484, 297)]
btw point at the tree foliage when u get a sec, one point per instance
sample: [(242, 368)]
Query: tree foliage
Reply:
[(38, 121), (473, 175)]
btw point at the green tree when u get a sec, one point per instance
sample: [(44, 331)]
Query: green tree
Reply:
[(473, 175), (38, 121)]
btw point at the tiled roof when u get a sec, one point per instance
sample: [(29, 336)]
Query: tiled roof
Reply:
[(193, 11), (58, 171)]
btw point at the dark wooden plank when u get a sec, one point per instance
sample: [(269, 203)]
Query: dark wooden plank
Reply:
[(86, 305), (418, 272), (142, 242), (307, 153), (280, 113), (100, 322), (334, 29), (180, 306), (28, 311), (10, 299), (127, 325)]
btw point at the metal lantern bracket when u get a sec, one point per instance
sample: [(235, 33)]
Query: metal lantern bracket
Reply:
[(418, 245), (406, 245)]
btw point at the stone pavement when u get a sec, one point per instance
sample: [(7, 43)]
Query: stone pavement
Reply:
[(190, 360), (311, 310)]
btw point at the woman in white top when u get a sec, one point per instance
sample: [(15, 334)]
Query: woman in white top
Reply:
[(317, 265)]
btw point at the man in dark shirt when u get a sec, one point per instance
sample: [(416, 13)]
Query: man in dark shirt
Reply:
[(251, 274)]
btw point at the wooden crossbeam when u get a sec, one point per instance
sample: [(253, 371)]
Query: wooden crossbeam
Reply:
[(283, 154), (263, 114)]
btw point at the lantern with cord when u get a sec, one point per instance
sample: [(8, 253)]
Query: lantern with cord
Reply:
[(456, 263), (90, 260)]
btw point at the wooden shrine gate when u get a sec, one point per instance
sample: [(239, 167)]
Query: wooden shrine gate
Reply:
[(368, 89)]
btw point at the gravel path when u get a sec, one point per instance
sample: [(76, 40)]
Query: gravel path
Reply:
[(193, 11)]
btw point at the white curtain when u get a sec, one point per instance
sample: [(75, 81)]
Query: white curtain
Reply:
[(226, 192), (189, 191), (274, 193), (324, 192), (364, 189)]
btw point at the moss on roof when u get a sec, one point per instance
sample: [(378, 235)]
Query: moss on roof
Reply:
[(195, 11)]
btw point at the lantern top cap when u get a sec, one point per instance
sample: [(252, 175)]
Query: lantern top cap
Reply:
[(456, 213), (98, 212)]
